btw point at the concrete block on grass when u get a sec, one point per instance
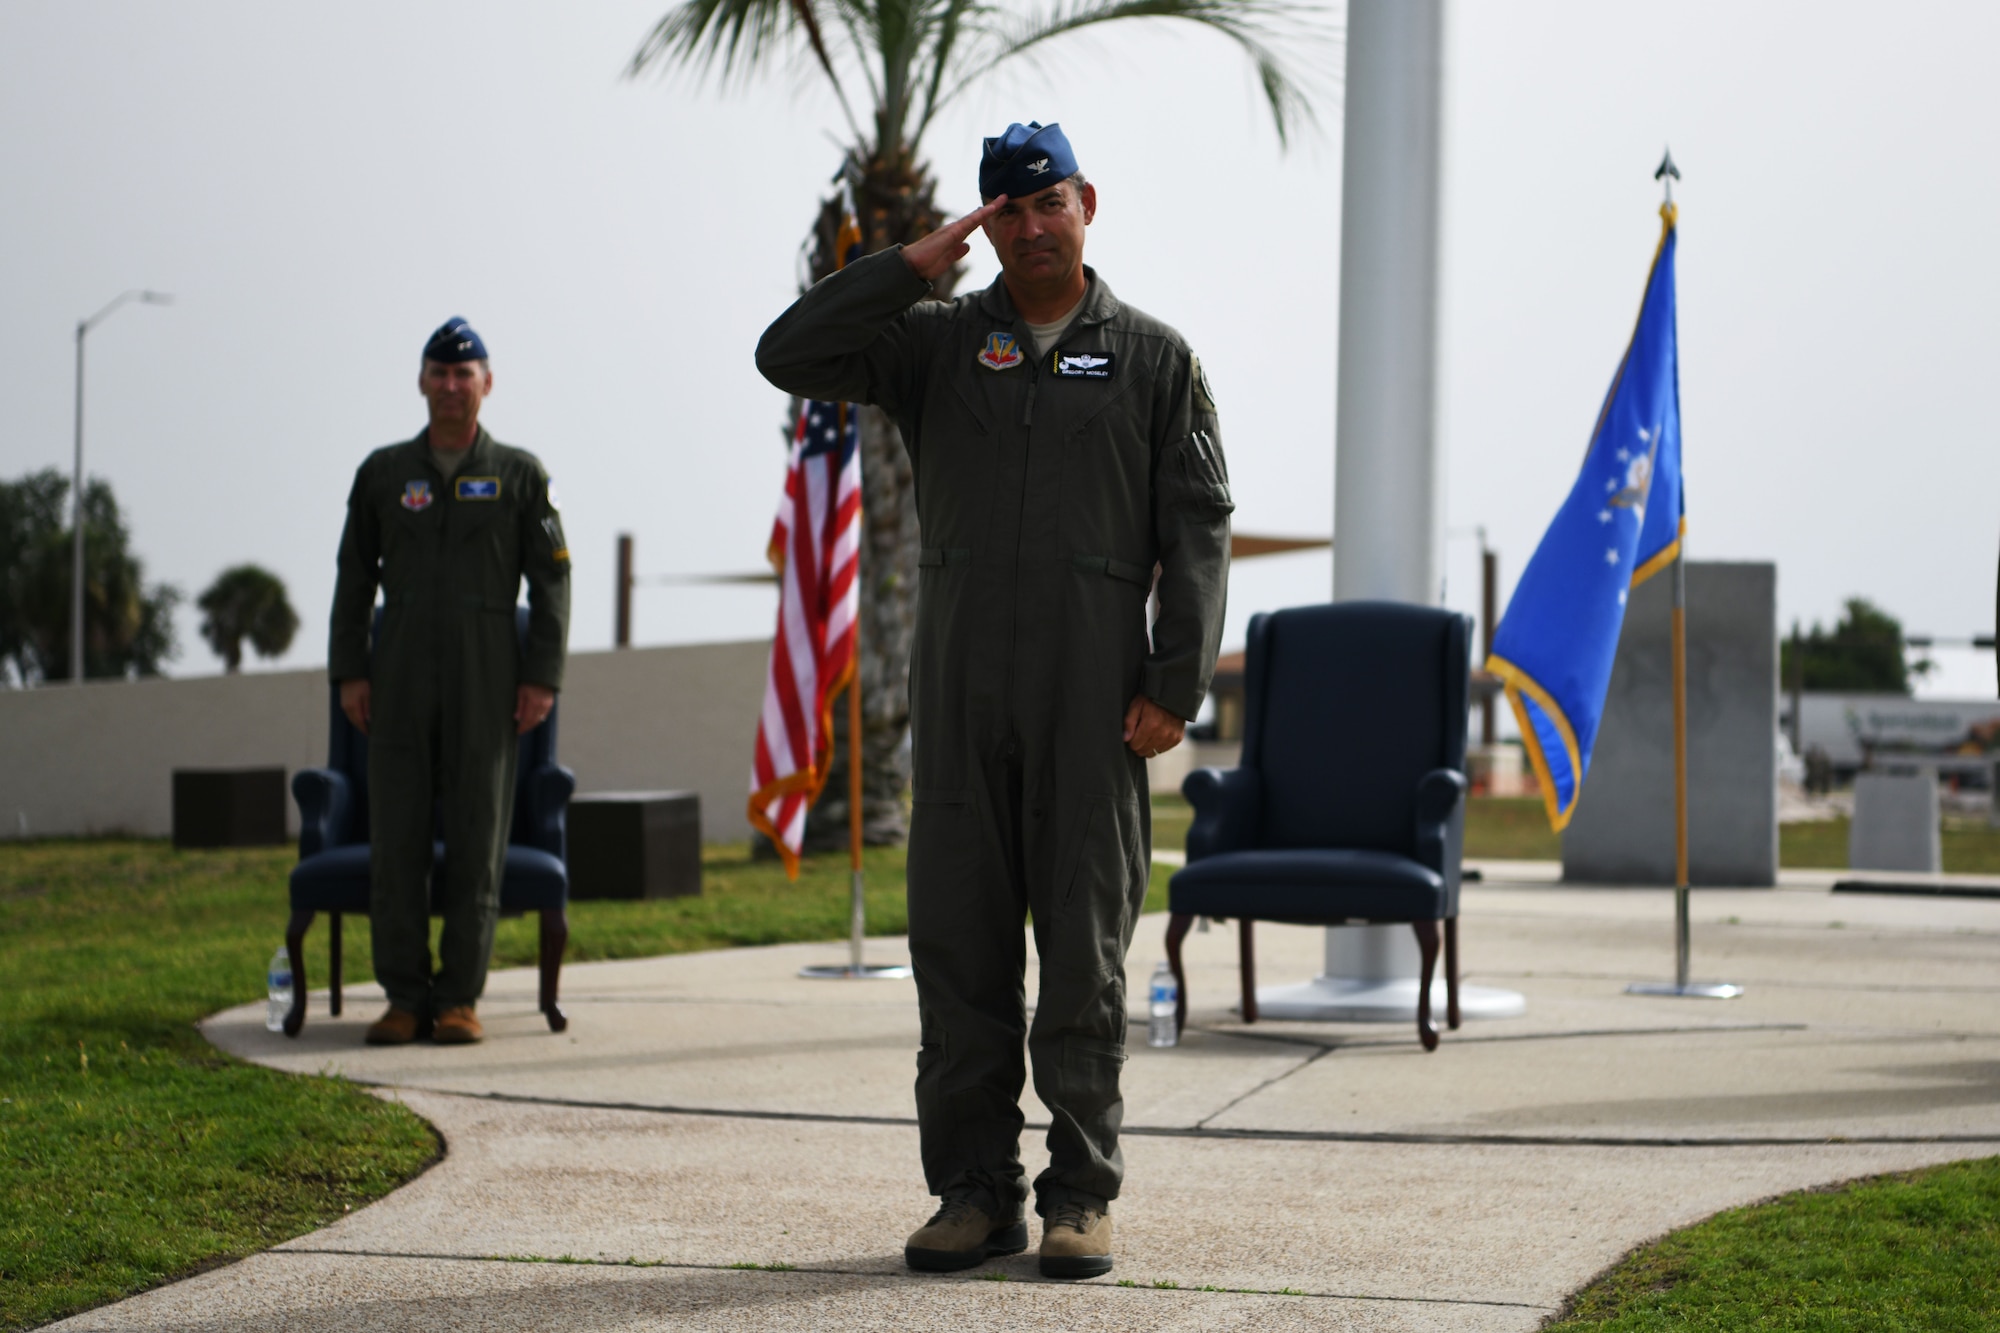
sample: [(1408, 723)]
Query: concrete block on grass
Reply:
[(1896, 824)]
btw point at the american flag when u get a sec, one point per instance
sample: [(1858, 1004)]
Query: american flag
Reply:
[(816, 549)]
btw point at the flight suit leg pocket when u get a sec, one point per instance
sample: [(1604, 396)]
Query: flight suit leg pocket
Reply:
[(1101, 887), (944, 862)]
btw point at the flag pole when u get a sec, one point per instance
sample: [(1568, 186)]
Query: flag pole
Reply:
[(1681, 986), (1680, 773), (857, 926), (854, 969)]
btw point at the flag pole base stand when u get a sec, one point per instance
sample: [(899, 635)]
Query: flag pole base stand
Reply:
[(849, 972), (1687, 990), (1378, 1000)]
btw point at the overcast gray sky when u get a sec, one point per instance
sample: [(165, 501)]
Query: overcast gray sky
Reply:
[(321, 186)]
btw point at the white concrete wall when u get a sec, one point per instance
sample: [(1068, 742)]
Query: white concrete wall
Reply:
[(100, 759)]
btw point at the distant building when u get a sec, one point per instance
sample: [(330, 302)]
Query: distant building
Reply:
[(1855, 730)]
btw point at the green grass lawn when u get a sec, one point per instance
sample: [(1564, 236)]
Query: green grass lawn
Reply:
[(132, 1152), (1514, 828), (1911, 1253)]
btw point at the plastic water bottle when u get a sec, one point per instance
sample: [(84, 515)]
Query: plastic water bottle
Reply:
[(280, 977), (1162, 1030)]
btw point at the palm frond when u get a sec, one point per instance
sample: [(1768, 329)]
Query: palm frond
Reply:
[(1256, 26), (950, 24), (735, 37)]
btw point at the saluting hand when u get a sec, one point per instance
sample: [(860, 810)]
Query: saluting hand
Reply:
[(932, 257), (1151, 729), (531, 706)]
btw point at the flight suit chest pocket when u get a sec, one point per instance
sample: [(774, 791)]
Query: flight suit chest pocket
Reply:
[(411, 516)]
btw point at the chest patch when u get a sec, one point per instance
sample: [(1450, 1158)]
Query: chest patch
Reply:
[(1085, 365), (1001, 352), (417, 496), (479, 488)]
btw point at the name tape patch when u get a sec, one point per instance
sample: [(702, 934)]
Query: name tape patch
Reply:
[(479, 488), (1085, 365)]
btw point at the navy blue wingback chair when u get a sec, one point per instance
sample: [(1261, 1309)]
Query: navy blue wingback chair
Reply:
[(1349, 803), (332, 873)]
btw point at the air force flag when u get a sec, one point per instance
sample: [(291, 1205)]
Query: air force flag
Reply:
[(1621, 524)]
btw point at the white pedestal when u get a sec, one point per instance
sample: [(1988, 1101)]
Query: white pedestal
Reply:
[(1371, 977)]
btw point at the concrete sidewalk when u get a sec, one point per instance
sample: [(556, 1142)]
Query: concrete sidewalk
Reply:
[(716, 1143)]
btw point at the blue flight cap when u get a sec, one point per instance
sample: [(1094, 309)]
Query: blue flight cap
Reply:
[(454, 342), (1025, 160)]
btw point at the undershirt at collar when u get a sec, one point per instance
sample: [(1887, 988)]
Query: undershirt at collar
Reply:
[(448, 461), (1048, 335)]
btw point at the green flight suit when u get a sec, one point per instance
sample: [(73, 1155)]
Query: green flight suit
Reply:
[(1048, 488), (449, 557)]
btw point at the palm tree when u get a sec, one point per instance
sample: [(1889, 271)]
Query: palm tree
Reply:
[(247, 602), (913, 58)]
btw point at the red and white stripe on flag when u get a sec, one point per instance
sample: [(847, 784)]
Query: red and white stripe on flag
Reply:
[(816, 549)]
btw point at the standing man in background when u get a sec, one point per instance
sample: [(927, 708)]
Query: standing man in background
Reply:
[(447, 525), (1067, 463)]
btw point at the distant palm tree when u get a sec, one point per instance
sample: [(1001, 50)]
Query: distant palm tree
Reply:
[(914, 57), (247, 602)]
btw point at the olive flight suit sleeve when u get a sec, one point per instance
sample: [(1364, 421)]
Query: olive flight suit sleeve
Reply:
[(1191, 524), (545, 566), (849, 339), (354, 588)]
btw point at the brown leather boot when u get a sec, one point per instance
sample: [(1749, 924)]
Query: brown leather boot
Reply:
[(398, 1027), (457, 1026), (959, 1235), (1076, 1241)]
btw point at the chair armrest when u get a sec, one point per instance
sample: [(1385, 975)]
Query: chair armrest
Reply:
[(549, 789), (325, 801), (1440, 827), (1225, 802)]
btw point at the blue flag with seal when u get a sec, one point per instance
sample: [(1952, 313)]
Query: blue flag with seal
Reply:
[(1622, 523)]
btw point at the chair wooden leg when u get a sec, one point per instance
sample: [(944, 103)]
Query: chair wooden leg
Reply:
[(1246, 965), (333, 964), (555, 936), (295, 950), (1451, 972), (1427, 945), (1177, 929)]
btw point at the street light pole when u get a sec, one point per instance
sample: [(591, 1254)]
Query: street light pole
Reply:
[(83, 328)]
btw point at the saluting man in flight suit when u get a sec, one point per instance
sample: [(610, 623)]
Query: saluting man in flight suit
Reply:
[(447, 525), (1065, 448)]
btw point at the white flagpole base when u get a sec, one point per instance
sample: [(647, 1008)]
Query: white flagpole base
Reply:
[(1380, 1000), (1370, 976), (849, 972), (1692, 990)]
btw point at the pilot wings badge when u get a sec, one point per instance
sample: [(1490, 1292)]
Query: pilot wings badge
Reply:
[(1084, 365), (1000, 352)]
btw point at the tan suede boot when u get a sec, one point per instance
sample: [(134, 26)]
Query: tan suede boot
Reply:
[(398, 1027), (959, 1235), (457, 1026), (1076, 1241)]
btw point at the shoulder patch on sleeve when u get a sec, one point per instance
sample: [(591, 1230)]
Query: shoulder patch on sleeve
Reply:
[(1203, 394)]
